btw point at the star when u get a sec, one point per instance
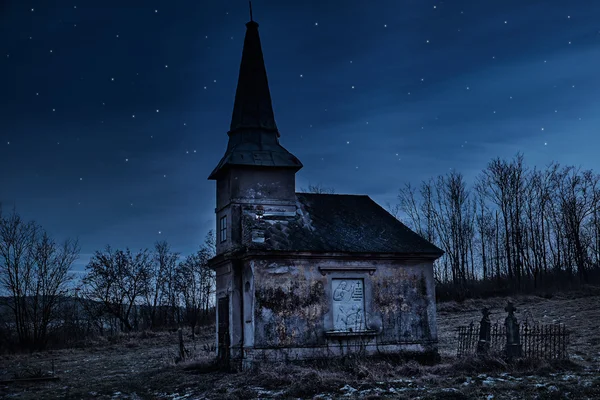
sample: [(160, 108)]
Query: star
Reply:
[(316, 24), (127, 160), (166, 66), (159, 232), (80, 179), (300, 75), (157, 111), (112, 79), (155, 11)]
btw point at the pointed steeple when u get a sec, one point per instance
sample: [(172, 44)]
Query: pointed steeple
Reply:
[(252, 108), (253, 134)]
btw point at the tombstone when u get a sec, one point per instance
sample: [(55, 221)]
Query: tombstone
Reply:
[(513, 342), (485, 336)]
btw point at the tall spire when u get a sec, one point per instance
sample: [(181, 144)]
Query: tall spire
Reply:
[(253, 134), (252, 108)]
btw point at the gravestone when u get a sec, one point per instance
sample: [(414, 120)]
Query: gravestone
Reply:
[(485, 336), (513, 341)]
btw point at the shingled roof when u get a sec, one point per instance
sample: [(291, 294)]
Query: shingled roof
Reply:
[(342, 223)]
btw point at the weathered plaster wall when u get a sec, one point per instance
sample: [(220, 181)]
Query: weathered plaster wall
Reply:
[(292, 306), (403, 296), (289, 304), (243, 191), (258, 184)]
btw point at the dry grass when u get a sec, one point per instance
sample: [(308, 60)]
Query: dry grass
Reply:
[(144, 366)]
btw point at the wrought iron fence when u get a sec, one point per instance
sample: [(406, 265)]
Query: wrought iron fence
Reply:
[(537, 340)]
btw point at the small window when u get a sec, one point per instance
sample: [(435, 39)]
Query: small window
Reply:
[(223, 228)]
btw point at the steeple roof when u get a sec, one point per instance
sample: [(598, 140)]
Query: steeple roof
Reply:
[(253, 134), (252, 107)]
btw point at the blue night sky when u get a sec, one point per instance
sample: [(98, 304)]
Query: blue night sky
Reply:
[(114, 113)]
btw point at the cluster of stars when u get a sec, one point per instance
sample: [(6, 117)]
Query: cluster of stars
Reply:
[(414, 82)]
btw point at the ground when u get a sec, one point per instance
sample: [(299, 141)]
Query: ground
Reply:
[(143, 366)]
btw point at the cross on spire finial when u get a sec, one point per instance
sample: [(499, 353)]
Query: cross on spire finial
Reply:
[(250, 3)]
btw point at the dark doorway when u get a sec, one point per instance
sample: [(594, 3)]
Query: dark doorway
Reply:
[(223, 330)]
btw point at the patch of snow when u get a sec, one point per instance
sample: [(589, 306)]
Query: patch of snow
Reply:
[(489, 381), (348, 389), (451, 389)]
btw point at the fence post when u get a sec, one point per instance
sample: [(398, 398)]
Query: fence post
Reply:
[(513, 342), (483, 346)]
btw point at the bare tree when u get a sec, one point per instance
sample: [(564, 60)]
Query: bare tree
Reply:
[(318, 189), (160, 290), (34, 272), (118, 279), (196, 282)]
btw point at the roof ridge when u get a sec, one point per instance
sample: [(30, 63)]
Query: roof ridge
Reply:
[(334, 194)]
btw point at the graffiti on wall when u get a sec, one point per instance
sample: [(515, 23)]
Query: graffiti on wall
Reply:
[(348, 299)]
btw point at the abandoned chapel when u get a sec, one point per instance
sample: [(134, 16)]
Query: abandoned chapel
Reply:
[(303, 275)]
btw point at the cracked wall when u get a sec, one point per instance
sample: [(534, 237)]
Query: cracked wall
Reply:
[(292, 301)]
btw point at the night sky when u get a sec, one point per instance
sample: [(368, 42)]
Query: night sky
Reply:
[(114, 113)]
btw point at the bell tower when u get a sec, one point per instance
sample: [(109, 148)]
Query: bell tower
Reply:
[(256, 173)]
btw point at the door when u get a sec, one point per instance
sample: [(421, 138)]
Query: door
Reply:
[(223, 330)]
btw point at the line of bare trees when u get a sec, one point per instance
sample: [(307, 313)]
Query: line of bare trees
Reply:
[(34, 274), (41, 300), (516, 227), (150, 289)]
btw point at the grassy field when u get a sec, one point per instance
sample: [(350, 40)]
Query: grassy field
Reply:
[(142, 366)]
